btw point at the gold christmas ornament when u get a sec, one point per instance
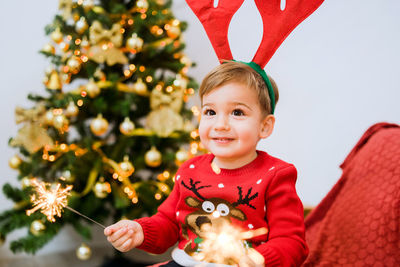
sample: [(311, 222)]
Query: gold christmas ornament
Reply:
[(161, 2), (181, 156), (92, 88), (99, 125), (64, 46), (83, 252), (14, 162), (88, 5), (25, 182), (106, 44), (101, 189), (74, 65), (67, 176), (180, 82), (173, 31), (134, 42), (60, 122), (32, 136), (65, 78), (37, 227), (142, 5), (153, 157), (56, 36), (126, 168), (81, 25), (72, 110), (127, 127), (85, 42), (54, 82), (49, 48), (66, 7), (49, 117), (140, 87), (164, 118)]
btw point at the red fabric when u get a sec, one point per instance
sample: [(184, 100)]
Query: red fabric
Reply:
[(277, 23), (358, 222), (269, 184)]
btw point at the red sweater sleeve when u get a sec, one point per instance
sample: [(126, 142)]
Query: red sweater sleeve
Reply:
[(286, 245), (161, 231)]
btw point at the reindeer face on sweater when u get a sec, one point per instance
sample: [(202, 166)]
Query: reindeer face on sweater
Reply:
[(211, 213)]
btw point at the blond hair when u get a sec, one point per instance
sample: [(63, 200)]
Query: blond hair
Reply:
[(231, 71)]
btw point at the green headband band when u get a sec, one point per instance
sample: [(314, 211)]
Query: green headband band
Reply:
[(263, 74)]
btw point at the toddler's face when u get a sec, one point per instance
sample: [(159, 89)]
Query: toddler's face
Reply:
[(231, 124)]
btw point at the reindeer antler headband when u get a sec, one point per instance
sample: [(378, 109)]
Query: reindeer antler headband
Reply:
[(277, 25)]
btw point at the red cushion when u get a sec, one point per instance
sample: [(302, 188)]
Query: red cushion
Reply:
[(358, 222)]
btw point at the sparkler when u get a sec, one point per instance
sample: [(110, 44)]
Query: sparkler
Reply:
[(226, 244), (51, 200)]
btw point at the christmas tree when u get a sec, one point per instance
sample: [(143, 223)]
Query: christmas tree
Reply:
[(113, 122)]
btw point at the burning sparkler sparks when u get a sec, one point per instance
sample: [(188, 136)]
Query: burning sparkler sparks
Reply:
[(50, 200), (226, 244)]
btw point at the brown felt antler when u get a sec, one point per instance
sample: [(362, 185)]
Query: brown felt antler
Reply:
[(277, 23)]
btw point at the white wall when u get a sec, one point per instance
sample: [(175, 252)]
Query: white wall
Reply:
[(337, 75)]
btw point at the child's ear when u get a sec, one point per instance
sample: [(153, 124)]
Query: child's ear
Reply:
[(267, 126)]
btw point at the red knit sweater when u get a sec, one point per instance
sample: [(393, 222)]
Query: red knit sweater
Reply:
[(259, 194)]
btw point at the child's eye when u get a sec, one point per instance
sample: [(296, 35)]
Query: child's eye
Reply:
[(237, 112), (209, 112)]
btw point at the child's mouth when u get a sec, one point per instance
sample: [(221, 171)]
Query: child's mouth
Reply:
[(222, 140)]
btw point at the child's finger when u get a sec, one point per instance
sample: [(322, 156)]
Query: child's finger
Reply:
[(120, 241), (126, 245), (115, 236), (109, 230)]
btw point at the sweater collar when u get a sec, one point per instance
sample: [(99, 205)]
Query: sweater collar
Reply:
[(248, 168)]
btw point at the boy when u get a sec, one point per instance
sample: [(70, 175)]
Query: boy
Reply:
[(234, 184)]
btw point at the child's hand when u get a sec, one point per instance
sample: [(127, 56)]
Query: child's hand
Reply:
[(252, 259), (124, 235)]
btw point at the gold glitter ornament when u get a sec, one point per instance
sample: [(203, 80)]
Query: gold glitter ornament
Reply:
[(126, 168), (99, 125), (60, 122), (37, 227), (56, 35), (83, 252), (101, 189), (72, 110), (153, 157), (161, 2), (143, 5), (127, 127), (74, 65), (92, 88), (140, 87), (181, 156), (26, 182), (49, 117), (106, 44), (49, 48), (54, 82), (88, 5), (67, 176), (14, 162), (81, 25), (134, 42), (173, 31)]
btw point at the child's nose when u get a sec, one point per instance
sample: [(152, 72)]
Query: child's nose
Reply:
[(222, 123)]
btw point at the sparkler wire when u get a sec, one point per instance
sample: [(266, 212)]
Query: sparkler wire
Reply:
[(84, 216)]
